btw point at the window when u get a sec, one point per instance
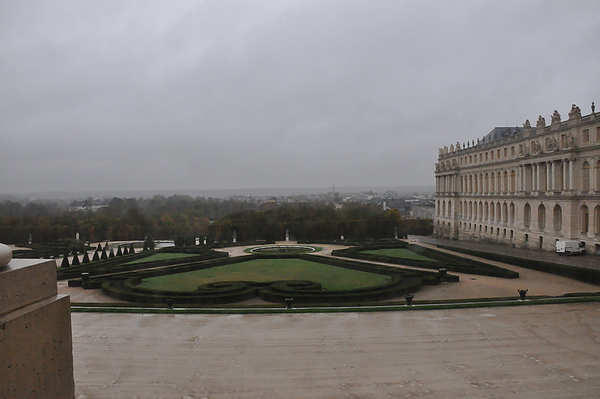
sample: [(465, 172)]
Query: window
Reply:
[(585, 219), (492, 153), (498, 153), (597, 176), (505, 152), (541, 216), (598, 133), (511, 217), (513, 181), (512, 151), (557, 218), (527, 215), (585, 177), (486, 157), (586, 136)]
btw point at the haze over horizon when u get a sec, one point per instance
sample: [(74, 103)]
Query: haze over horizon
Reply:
[(219, 95)]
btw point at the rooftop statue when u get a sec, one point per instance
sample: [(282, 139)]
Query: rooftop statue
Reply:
[(541, 123), (555, 117), (575, 112)]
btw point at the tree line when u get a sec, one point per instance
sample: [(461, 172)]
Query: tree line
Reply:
[(169, 218)]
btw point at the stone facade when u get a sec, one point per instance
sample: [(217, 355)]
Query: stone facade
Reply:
[(524, 186)]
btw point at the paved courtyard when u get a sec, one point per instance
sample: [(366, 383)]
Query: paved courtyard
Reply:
[(549, 351)]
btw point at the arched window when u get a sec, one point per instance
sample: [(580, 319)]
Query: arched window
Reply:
[(485, 211), (480, 210), (505, 183), (505, 212), (527, 215), (492, 183), (470, 209), (499, 182), (437, 211), (513, 181), (492, 211), (541, 216), (498, 212), (585, 177), (597, 176), (486, 183), (449, 209), (585, 219), (557, 217), (511, 217), (597, 219), (443, 209)]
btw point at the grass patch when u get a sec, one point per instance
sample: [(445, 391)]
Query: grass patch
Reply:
[(332, 278), (160, 256), (397, 253)]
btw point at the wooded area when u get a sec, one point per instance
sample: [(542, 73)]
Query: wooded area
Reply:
[(166, 218)]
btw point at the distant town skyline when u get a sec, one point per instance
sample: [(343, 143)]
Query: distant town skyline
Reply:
[(154, 96)]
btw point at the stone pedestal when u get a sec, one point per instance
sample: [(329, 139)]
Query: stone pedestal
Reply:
[(36, 351)]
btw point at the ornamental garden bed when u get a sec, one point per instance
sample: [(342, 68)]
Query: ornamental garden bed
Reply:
[(402, 253), (308, 279)]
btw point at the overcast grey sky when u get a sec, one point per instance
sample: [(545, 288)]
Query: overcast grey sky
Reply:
[(120, 95)]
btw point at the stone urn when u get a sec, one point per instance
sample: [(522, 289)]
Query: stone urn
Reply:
[(5, 255)]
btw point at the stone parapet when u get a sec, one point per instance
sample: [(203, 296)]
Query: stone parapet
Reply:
[(36, 352)]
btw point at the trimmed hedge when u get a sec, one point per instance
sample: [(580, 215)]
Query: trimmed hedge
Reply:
[(119, 264), (450, 262), (574, 272)]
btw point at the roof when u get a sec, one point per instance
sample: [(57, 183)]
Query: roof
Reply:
[(499, 133)]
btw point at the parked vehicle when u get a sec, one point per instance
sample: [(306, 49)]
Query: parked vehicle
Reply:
[(570, 247)]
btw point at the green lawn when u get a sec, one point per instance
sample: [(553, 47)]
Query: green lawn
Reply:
[(397, 253), (159, 256), (261, 270)]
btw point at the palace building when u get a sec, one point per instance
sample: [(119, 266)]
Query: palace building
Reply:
[(524, 186)]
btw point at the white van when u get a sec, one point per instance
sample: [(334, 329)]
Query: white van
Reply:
[(570, 247)]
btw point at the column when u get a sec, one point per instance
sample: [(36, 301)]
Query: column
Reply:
[(548, 177), (565, 170), (553, 178), (571, 185)]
